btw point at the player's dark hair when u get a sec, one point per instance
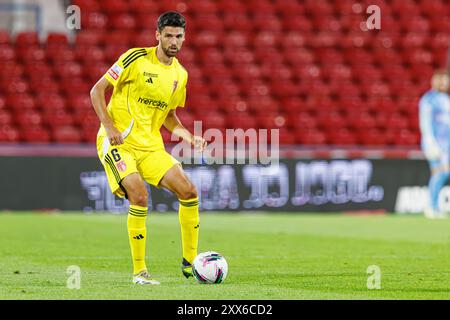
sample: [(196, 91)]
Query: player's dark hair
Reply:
[(441, 72), (171, 19)]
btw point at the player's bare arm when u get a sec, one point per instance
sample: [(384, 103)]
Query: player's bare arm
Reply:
[(174, 125), (98, 92)]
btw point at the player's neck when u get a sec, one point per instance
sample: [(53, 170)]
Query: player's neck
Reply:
[(161, 56)]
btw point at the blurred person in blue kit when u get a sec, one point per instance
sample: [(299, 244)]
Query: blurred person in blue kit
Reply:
[(434, 117)]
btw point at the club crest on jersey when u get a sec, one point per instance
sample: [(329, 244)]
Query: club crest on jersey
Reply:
[(175, 85), (121, 166), (115, 71)]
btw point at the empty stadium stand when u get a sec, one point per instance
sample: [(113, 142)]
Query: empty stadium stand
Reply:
[(305, 67)]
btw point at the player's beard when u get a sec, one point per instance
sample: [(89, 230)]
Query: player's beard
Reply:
[(171, 51)]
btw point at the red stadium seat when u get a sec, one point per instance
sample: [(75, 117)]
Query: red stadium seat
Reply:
[(286, 138), (34, 134), (94, 20), (262, 104), (146, 39), (330, 120), (94, 71), (116, 6), (50, 102), (11, 70), (118, 37), (87, 5), (57, 40), (301, 120), (79, 102), (4, 37), (94, 54), (284, 88), (310, 137), (271, 121), (2, 102), (230, 6), (29, 118), (41, 69), (207, 38), (432, 8), (90, 37), (146, 21), (273, 72), (22, 101), (237, 21), (89, 133), (68, 70), (30, 55), (304, 60), (342, 136), (9, 133), (373, 137), (144, 6), (86, 118), (122, 21), (288, 7), (48, 86), (27, 39), (229, 87), (66, 134), (243, 121), (5, 117), (60, 55), (113, 53), (404, 137), (75, 86), (56, 118), (7, 53), (212, 119)]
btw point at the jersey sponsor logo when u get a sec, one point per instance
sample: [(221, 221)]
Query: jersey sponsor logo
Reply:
[(151, 75), (153, 103), (115, 71), (121, 166)]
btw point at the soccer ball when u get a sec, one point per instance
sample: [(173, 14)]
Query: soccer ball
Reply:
[(210, 267)]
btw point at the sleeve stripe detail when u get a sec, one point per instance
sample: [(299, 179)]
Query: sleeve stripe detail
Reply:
[(188, 203), (137, 214), (125, 60), (134, 58)]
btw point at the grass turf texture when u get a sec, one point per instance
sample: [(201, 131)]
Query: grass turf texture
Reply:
[(270, 256)]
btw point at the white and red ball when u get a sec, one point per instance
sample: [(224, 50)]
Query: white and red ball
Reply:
[(210, 267)]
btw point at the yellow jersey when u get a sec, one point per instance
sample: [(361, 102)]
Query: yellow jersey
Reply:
[(145, 90)]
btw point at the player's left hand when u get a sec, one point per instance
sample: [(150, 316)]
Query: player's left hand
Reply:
[(199, 143)]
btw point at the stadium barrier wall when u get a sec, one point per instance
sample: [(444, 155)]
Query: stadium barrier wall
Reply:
[(296, 185)]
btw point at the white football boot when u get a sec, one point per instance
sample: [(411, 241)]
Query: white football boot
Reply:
[(144, 277)]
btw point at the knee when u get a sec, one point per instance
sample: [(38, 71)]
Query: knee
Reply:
[(189, 192), (139, 198)]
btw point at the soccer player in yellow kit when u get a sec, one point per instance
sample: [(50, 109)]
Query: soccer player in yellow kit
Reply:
[(148, 85)]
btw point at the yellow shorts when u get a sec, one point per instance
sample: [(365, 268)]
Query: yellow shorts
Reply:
[(122, 160)]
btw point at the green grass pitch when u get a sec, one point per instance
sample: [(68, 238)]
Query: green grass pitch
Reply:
[(270, 256)]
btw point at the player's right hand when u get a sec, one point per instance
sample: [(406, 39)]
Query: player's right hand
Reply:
[(114, 136), (199, 143)]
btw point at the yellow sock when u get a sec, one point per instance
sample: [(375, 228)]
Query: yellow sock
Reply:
[(137, 235), (189, 221)]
